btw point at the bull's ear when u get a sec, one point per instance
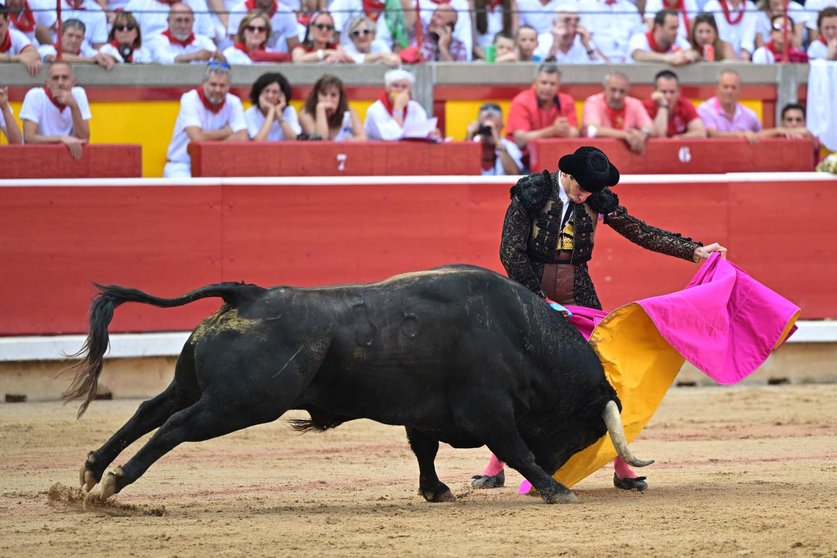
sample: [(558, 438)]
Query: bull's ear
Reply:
[(533, 191)]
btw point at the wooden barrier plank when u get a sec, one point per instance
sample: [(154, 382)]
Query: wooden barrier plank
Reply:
[(54, 161)]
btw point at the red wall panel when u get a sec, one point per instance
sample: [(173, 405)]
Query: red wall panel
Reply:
[(51, 161)]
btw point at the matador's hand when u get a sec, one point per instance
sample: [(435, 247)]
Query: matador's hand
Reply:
[(703, 252)]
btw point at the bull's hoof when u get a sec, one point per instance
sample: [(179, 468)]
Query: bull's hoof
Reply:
[(87, 476), (109, 483), (440, 494), (560, 497), (489, 481), (637, 483)]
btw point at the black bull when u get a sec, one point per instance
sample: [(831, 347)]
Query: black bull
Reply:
[(459, 355)]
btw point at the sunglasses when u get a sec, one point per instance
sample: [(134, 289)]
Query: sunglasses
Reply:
[(323, 26), (256, 29), (218, 64), (494, 107), (780, 27), (124, 26), (359, 32)]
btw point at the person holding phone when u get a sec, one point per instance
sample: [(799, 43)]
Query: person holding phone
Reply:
[(439, 44)]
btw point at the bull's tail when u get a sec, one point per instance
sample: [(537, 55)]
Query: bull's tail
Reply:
[(87, 370)]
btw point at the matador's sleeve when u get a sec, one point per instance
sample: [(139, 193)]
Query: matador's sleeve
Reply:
[(517, 227)]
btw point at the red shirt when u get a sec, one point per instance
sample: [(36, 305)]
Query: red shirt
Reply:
[(678, 120), (525, 115)]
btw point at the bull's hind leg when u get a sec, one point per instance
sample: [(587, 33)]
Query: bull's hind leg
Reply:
[(425, 449), (202, 421), (492, 421), (150, 415)]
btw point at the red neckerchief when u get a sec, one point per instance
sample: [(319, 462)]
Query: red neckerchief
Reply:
[(175, 41), (26, 21), (493, 4), (251, 5), (168, 2), (58, 105), (373, 9), (116, 46), (76, 5), (610, 2), (617, 117), (653, 43), (794, 55), (822, 40), (242, 48), (214, 109), (384, 98), (728, 16), (680, 7), (303, 18), (6, 45)]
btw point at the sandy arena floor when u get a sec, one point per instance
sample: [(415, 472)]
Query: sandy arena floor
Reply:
[(747, 471)]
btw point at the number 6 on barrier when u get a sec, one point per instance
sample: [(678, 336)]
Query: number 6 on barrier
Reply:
[(341, 161)]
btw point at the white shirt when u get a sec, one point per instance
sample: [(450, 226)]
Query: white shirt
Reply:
[(813, 9), (817, 50), (640, 42), (283, 24), (43, 12), (513, 151), (18, 41), (255, 120), (538, 15), (237, 56), (795, 11), (153, 16), (93, 17), (194, 113), (576, 55), (654, 6), (743, 34), (164, 51), (379, 125), (377, 47), (39, 109), (85, 50), (140, 55), (611, 27)]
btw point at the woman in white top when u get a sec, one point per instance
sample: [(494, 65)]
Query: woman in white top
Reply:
[(271, 118), (125, 41), (364, 47), (327, 114), (251, 40)]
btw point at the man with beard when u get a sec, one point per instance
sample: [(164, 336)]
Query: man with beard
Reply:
[(179, 44), (207, 113), (662, 43)]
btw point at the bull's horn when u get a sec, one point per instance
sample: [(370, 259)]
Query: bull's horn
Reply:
[(617, 434)]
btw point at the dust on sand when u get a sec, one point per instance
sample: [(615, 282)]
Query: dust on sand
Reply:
[(744, 471)]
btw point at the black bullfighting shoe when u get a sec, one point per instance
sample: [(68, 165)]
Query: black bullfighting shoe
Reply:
[(489, 481), (637, 484)]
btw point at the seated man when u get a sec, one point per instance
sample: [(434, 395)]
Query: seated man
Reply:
[(500, 156), (8, 124), (723, 116), (568, 42), (208, 113), (613, 114), (395, 115), (74, 49), (541, 111), (179, 44), (33, 18), (825, 46), (57, 113), (674, 117), (15, 47), (439, 43), (792, 125), (662, 43)]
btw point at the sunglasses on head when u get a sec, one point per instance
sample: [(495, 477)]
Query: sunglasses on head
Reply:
[(124, 26), (780, 27), (359, 32), (218, 64), (323, 26), (256, 29)]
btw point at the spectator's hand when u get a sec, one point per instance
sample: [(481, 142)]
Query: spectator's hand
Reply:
[(796, 133), (400, 100), (582, 32), (4, 96), (445, 35), (636, 141), (392, 60), (105, 62), (33, 66), (219, 56), (65, 97), (692, 55), (658, 98), (704, 252), (203, 55), (470, 131), (678, 58), (74, 145), (559, 31), (561, 127), (751, 137)]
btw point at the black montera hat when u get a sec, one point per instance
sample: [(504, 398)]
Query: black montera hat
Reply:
[(591, 168)]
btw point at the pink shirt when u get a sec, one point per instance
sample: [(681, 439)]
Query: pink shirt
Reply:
[(633, 117), (714, 117)]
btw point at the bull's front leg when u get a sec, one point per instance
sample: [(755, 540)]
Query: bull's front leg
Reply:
[(425, 449)]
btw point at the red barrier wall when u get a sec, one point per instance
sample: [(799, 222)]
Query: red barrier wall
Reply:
[(297, 158), (54, 161), (54, 241), (686, 156)]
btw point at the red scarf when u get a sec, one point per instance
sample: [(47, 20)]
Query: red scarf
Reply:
[(610, 2), (822, 40), (653, 43), (794, 55), (58, 105), (384, 98), (214, 109), (738, 16), (251, 5), (26, 21), (680, 7), (175, 41), (617, 117), (116, 46), (373, 9), (6, 45), (77, 5), (493, 4), (168, 2)]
